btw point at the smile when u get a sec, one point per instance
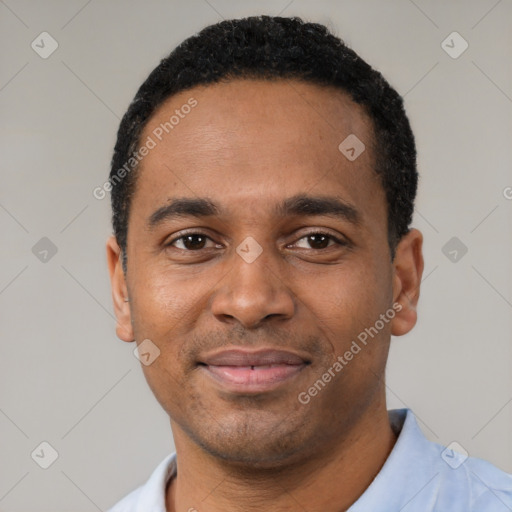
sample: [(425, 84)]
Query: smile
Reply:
[(242, 371)]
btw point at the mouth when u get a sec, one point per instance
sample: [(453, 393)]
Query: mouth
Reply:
[(244, 371)]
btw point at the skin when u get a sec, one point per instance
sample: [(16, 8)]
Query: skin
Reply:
[(247, 146)]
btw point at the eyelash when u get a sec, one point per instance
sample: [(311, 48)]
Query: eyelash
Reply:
[(335, 239)]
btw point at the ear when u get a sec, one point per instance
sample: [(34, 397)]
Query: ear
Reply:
[(122, 311), (408, 269)]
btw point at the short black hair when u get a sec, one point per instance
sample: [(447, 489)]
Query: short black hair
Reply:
[(269, 48)]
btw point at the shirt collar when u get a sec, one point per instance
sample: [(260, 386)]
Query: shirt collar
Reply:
[(152, 495), (413, 477), (410, 468)]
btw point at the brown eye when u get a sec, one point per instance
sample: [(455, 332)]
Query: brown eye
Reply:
[(190, 242), (318, 241), (193, 242)]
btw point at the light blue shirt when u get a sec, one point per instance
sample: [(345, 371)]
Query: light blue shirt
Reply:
[(418, 476)]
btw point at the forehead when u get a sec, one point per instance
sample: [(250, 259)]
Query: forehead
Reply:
[(251, 141)]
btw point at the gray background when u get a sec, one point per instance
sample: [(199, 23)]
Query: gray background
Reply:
[(64, 376)]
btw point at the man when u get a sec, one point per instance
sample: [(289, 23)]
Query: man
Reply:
[(263, 184)]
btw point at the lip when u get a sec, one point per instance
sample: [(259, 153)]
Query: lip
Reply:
[(252, 371)]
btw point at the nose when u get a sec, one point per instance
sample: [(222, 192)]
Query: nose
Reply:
[(253, 293)]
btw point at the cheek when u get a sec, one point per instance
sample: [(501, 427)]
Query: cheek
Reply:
[(164, 310), (167, 382), (164, 303), (351, 305), (358, 293)]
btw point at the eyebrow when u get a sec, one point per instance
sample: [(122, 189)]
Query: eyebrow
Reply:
[(183, 207), (300, 205), (304, 205)]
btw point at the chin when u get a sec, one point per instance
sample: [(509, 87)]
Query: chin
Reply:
[(253, 442)]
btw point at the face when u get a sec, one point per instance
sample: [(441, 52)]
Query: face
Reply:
[(257, 255)]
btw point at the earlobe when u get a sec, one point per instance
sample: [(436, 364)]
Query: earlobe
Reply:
[(408, 270), (120, 297)]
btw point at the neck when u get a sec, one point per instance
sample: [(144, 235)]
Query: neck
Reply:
[(331, 482)]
